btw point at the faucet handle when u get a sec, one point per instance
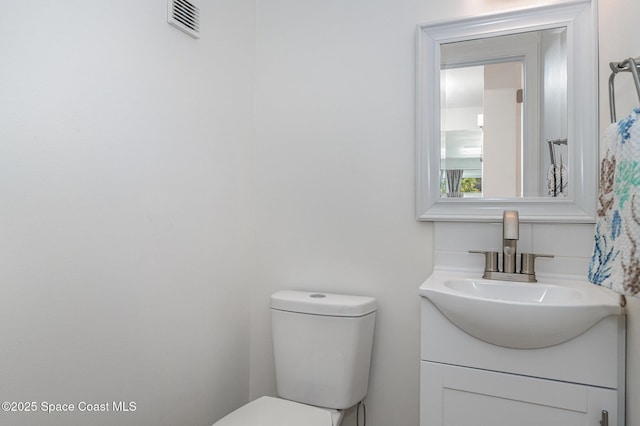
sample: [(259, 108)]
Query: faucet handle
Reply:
[(510, 225), (490, 260), (528, 262)]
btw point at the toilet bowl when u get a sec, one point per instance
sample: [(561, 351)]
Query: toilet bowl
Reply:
[(269, 411), (322, 350)]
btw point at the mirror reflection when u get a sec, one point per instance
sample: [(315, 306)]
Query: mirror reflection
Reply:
[(503, 116)]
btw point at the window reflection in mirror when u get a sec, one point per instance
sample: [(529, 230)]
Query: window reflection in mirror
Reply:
[(502, 99)]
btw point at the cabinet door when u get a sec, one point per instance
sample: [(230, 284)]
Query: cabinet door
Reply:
[(461, 396)]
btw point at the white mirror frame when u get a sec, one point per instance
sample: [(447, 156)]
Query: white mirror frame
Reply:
[(582, 77)]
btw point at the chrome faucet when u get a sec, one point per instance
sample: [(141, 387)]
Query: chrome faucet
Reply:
[(510, 237)]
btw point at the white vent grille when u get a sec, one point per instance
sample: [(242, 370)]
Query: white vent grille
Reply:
[(185, 16)]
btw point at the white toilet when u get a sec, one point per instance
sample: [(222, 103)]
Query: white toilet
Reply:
[(322, 350)]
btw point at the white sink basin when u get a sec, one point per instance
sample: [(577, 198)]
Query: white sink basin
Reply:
[(519, 315)]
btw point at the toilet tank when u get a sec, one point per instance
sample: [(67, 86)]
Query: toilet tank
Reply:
[(322, 347)]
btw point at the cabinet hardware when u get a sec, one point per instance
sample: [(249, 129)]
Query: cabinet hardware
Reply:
[(605, 418)]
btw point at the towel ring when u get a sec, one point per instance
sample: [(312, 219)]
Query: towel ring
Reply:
[(629, 65)]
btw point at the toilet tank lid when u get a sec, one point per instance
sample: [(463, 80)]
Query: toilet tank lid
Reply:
[(319, 303)]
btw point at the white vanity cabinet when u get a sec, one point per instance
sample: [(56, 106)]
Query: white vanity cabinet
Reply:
[(467, 382)]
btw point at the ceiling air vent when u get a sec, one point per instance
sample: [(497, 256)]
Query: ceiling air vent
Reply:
[(185, 16)]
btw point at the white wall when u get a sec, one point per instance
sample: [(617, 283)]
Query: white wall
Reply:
[(126, 247), (124, 220), (617, 19), (334, 160)]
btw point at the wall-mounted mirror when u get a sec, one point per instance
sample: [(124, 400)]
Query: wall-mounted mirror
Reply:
[(507, 116)]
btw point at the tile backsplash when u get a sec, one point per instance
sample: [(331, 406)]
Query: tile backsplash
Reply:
[(571, 244)]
